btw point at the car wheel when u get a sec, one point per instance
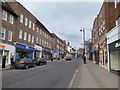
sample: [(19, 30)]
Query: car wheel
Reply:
[(26, 67)]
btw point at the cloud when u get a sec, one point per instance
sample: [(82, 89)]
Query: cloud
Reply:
[(66, 18)]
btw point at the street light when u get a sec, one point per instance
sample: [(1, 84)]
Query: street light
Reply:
[(83, 30)]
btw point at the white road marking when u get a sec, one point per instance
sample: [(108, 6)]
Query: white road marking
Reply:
[(73, 79)]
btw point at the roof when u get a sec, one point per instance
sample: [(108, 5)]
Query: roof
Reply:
[(7, 7), (39, 23)]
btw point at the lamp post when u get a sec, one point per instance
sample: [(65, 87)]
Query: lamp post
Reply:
[(83, 30)]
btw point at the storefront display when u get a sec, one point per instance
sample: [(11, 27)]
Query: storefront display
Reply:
[(24, 51)]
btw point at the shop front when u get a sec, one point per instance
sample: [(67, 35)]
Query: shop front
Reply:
[(24, 51), (8, 51), (55, 54), (38, 51), (103, 55), (114, 55), (46, 53)]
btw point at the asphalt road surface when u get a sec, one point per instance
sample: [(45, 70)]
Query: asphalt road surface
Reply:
[(56, 74)]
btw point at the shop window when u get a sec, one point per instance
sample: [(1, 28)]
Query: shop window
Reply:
[(1, 54), (9, 36), (11, 19), (21, 18), (2, 33), (20, 34), (25, 35), (26, 21), (6, 53), (4, 15)]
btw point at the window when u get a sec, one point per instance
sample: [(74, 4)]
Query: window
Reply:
[(37, 40), (29, 36), (37, 29), (26, 21), (30, 24), (4, 15), (11, 19), (2, 33), (118, 21), (43, 33), (9, 36), (21, 18), (40, 31), (32, 39), (40, 41), (25, 35), (20, 34), (33, 26)]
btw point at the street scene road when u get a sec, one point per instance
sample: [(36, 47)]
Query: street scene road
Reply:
[(60, 44), (56, 74)]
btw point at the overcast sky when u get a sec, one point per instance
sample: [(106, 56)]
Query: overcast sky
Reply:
[(65, 19)]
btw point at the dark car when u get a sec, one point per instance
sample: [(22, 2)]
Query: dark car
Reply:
[(40, 61), (68, 58), (24, 63)]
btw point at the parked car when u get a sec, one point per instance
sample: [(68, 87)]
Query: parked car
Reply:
[(24, 63), (68, 58), (40, 61)]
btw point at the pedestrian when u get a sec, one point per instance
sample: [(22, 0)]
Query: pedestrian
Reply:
[(51, 58), (12, 61), (3, 61), (84, 59)]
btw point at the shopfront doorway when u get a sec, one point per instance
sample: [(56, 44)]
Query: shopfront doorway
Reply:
[(23, 53)]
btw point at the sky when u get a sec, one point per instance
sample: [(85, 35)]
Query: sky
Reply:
[(65, 19)]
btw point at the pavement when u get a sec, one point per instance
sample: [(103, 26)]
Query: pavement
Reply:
[(56, 74), (91, 75)]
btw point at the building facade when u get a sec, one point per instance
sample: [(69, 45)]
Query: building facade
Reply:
[(59, 47), (105, 22), (7, 32), (23, 35), (113, 42)]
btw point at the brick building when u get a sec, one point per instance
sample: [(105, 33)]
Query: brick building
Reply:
[(7, 32), (22, 34), (105, 21), (58, 47), (113, 42)]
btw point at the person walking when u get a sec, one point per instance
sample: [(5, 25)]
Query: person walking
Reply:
[(84, 59), (12, 61), (3, 61)]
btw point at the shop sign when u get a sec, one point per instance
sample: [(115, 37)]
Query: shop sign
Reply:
[(2, 47), (18, 45), (38, 47), (117, 45)]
